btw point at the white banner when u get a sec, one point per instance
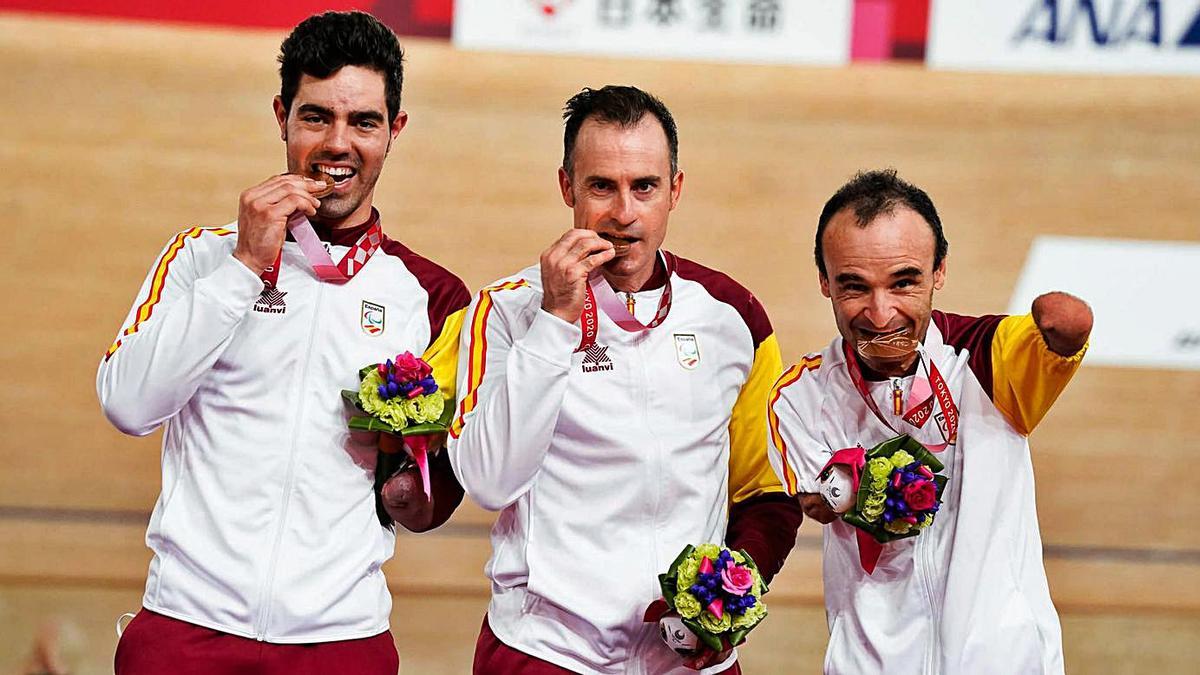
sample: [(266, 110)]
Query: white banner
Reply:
[(1143, 295), (764, 31), (1093, 36)]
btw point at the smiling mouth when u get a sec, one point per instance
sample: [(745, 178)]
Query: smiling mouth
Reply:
[(338, 174), (621, 245)]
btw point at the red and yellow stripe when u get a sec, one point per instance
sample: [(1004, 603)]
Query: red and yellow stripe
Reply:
[(478, 351), (159, 280), (806, 364)]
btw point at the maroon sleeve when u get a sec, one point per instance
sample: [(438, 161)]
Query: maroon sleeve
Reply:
[(724, 289), (447, 293), (974, 334), (765, 527)]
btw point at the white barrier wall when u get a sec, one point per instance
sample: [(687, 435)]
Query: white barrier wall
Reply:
[(1094, 36), (764, 31)]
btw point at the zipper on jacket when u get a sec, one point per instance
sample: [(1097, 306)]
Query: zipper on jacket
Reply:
[(897, 396), (924, 552), (637, 650), (264, 601)]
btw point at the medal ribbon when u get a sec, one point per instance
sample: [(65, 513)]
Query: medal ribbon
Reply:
[(919, 413), (314, 251), (601, 294)]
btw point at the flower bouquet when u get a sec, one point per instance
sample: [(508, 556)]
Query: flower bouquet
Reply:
[(400, 397), (717, 594), (890, 492)]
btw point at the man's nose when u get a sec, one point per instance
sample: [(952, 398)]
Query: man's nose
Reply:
[(337, 139), (880, 310), (624, 208)]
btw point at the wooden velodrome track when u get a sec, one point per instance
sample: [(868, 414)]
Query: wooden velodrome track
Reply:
[(117, 135)]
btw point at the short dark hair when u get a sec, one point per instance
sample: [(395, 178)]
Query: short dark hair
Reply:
[(624, 106), (322, 44), (872, 193)]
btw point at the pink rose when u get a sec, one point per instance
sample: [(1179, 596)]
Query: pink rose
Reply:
[(920, 495), (408, 368), (737, 580)]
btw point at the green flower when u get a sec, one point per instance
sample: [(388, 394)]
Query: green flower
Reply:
[(712, 624), (879, 468), (394, 414), (901, 459), (430, 407), (689, 569), (738, 557), (710, 551), (898, 527), (687, 605), (368, 392)]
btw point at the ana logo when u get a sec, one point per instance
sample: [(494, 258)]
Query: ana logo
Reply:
[(372, 318), (271, 301), (1105, 23), (687, 350), (596, 358)]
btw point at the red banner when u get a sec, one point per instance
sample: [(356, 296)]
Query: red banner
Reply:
[(407, 17)]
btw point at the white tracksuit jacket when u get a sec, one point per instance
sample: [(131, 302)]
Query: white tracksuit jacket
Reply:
[(605, 464), (266, 525), (968, 595)]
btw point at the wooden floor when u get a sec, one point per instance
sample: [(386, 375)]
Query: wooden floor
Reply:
[(118, 135)]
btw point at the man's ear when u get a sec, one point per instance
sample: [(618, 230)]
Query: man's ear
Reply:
[(676, 188), (281, 115), (564, 185), (939, 275), (396, 127), (824, 280)]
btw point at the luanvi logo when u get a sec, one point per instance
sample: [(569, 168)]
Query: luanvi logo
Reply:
[(596, 358), (271, 301)]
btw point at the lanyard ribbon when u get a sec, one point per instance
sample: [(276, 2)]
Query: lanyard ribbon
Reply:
[(601, 294), (324, 267), (919, 414)]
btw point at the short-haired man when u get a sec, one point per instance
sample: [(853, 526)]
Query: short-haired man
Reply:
[(612, 430), (969, 593), (268, 536)]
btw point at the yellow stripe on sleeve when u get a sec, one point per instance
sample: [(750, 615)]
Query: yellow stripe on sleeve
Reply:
[(159, 279), (1026, 376), (806, 364), (750, 472), (442, 355), (477, 347)]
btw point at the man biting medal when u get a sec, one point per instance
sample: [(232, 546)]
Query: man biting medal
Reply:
[(968, 595)]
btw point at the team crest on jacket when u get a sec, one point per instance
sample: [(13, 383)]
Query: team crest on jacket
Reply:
[(372, 318), (596, 358), (271, 301), (687, 350)]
